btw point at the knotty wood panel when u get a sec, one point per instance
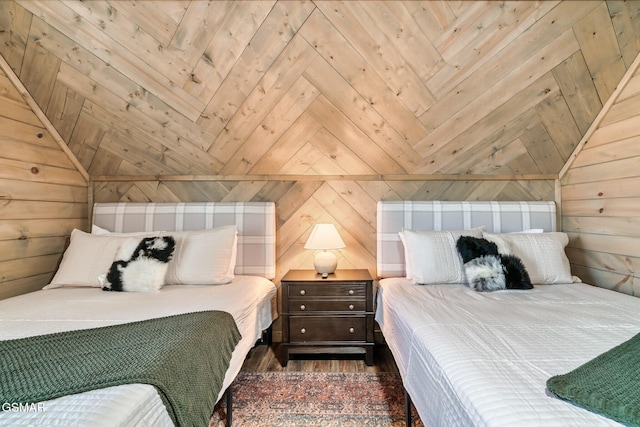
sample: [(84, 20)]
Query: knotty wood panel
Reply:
[(601, 198), (208, 87), (366, 100), (42, 196)]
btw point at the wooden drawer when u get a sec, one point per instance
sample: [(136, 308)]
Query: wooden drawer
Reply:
[(327, 315), (318, 328), (327, 290), (309, 305)]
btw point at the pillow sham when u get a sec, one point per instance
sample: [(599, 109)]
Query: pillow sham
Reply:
[(85, 259), (204, 257), (542, 254), (104, 232), (99, 230), (431, 257), (530, 230)]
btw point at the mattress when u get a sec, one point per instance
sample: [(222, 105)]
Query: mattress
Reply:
[(247, 298), (482, 359)]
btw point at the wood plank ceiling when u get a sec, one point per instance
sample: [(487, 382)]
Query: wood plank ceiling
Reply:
[(207, 88), (322, 106)]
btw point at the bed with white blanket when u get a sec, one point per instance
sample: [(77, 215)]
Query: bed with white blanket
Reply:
[(470, 358), (224, 260)]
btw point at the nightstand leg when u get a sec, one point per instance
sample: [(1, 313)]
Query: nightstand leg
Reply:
[(284, 355), (368, 357)]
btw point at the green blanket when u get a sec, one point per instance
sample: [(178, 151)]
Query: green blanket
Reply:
[(184, 356), (608, 384)]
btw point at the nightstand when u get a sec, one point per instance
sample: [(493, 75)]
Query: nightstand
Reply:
[(332, 315)]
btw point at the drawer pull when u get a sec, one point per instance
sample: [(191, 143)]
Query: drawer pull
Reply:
[(303, 331), (351, 307), (351, 330), (302, 307), (351, 292), (302, 292)]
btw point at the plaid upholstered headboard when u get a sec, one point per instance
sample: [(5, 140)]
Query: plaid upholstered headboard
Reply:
[(255, 222), (497, 217)]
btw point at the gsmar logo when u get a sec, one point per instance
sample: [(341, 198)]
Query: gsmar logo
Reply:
[(23, 407)]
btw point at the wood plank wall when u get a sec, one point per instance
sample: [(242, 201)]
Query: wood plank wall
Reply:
[(349, 204), (601, 198), (323, 107), (43, 196)]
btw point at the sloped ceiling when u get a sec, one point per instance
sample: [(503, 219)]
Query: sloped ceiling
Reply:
[(320, 87)]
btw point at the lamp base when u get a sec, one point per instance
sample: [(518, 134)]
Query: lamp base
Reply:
[(325, 263)]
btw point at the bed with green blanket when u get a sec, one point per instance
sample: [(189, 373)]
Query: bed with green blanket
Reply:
[(97, 340), (187, 361), (608, 384), (184, 357)]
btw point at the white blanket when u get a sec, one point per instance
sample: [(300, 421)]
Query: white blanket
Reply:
[(247, 298), (482, 359)]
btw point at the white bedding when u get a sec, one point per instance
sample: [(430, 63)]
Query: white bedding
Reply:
[(482, 359), (247, 298)]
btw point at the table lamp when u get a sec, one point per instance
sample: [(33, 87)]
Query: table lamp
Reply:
[(325, 237)]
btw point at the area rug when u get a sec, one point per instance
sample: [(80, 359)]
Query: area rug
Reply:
[(327, 399)]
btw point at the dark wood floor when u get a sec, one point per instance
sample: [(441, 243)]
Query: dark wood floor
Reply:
[(263, 358)]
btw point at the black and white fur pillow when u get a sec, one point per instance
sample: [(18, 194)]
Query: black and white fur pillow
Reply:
[(144, 269), (489, 267)]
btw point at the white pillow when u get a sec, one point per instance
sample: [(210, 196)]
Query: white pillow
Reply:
[(542, 254), (104, 232), (431, 257), (87, 257), (98, 230), (204, 257)]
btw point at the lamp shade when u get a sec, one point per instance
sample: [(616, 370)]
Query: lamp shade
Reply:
[(324, 236)]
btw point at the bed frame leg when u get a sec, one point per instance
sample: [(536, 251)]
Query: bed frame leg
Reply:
[(228, 399), (267, 336), (407, 409)]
